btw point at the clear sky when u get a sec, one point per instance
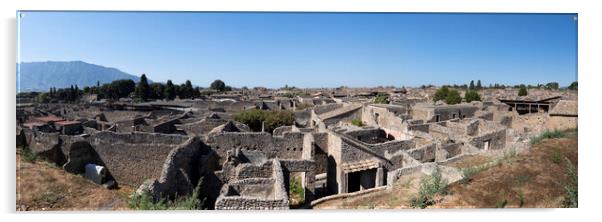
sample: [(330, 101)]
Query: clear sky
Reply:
[(311, 49)]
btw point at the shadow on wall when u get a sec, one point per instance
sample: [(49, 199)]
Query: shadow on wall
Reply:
[(82, 153)]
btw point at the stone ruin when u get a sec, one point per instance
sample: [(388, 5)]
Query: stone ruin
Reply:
[(169, 149)]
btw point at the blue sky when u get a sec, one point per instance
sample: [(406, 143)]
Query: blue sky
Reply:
[(311, 49)]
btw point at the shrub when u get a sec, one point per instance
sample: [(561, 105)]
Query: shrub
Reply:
[(501, 203), (28, 156), (441, 94), (571, 197), (381, 98), (453, 97), (297, 192), (556, 156), (271, 119), (468, 173), (522, 91), (429, 187), (357, 122), (573, 86), (472, 95), (145, 201)]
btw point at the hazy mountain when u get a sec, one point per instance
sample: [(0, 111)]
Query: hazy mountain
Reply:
[(40, 76)]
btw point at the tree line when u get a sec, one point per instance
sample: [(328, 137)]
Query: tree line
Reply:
[(127, 88)]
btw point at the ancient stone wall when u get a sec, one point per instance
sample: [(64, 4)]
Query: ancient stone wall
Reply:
[(287, 146), (246, 171)]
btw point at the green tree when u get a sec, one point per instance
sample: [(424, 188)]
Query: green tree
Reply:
[(552, 85), (522, 91), (453, 97), (573, 86), (441, 94), (271, 119), (471, 86), (189, 89), (43, 98), (479, 87), (157, 91), (381, 98), (170, 90), (218, 85), (143, 90), (123, 87), (472, 95)]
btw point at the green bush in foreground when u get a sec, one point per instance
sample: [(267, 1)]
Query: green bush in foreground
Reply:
[(570, 198), (430, 187)]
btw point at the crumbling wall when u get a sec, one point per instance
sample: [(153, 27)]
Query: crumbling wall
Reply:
[(201, 127), (45, 145), (255, 193), (246, 171), (287, 146), (182, 169), (321, 152), (320, 109), (497, 140), (134, 157)]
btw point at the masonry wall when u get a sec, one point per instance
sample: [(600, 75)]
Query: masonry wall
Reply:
[(288, 146), (386, 120)]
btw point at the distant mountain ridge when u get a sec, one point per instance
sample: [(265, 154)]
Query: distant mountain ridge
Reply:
[(40, 76)]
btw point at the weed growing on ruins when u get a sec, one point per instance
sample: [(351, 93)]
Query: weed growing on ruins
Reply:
[(547, 135), (297, 192), (145, 201), (570, 199), (28, 155), (429, 188), (357, 122)]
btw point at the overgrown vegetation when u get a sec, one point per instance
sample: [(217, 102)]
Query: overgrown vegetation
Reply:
[(450, 96), (472, 95), (570, 198), (270, 119), (547, 135), (297, 192), (27, 155), (357, 122), (145, 201), (453, 97), (430, 187), (556, 156), (468, 173), (381, 98)]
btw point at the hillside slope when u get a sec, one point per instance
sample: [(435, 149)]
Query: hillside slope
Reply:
[(40, 76)]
